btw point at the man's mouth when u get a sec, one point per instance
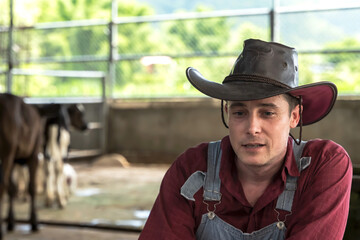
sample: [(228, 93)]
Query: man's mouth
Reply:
[(255, 145)]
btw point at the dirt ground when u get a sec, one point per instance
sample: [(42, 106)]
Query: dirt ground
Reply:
[(109, 193), (46, 232)]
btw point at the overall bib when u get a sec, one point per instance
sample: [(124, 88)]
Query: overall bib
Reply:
[(214, 228)]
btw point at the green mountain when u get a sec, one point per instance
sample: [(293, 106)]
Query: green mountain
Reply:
[(304, 30), (164, 6)]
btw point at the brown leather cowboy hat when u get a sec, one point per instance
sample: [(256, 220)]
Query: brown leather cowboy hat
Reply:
[(266, 69)]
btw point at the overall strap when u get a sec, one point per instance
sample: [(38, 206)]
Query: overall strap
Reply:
[(210, 180), (285, 200)]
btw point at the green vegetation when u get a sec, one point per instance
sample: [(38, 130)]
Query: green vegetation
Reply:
[(152, 56)]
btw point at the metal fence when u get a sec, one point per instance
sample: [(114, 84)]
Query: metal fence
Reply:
[(144, 56)]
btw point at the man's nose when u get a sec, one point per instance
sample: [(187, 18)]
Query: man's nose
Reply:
[(254, 124)]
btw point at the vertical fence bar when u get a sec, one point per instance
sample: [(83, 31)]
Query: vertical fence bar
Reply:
[(10, 44), (104, 112), (112, 47), (274, 22)]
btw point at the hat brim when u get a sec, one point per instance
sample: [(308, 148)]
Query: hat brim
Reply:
[(318, 98)]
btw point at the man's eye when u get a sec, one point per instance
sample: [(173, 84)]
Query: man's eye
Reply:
[(238, 113), (269, 114)]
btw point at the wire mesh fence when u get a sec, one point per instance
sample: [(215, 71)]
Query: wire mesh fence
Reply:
[(31, 45), (339, 68), (317, 30), (149, 55)]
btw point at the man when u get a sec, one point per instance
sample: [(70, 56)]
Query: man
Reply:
[(258, 183)]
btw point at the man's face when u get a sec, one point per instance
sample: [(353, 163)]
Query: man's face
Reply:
[(259, 129)]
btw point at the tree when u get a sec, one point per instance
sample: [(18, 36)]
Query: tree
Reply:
[(88, 42), (343, 68)]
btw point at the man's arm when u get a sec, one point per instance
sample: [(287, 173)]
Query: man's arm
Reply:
[(324, 203), (172, 215)]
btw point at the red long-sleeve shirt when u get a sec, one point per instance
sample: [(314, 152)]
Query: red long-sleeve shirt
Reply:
[(320, 207)]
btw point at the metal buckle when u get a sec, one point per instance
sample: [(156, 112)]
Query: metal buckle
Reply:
[(211, 214), (280, 225)]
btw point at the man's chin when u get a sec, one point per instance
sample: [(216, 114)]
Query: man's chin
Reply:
[(254, 162)]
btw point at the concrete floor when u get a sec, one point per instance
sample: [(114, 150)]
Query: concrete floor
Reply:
[(48, 232), (123, 198)]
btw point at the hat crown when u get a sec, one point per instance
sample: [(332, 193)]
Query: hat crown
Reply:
[(267, 69), (268, 60)]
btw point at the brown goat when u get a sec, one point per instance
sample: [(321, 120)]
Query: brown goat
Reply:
[(21, 132)]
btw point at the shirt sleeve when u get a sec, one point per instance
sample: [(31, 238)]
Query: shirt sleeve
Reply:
[(323, 207), (171, 217)]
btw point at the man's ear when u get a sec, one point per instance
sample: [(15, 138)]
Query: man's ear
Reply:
[(226, 107), (295, 116)]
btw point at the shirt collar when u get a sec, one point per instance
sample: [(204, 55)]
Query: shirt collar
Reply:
[(229, 178), (289, 161)]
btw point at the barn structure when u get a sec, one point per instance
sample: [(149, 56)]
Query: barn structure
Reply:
[(149, 130)]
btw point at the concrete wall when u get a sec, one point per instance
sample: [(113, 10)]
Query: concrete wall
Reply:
[(341, 126), (90, 142), (158, 131)]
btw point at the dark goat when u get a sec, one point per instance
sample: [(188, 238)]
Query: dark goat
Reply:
[(63, 116), (21, 132), (57, 139)]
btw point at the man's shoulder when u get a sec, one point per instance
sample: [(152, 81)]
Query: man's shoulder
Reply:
[(327, 145), (196, 151), (195, 158), (192, 159), (325, 148)]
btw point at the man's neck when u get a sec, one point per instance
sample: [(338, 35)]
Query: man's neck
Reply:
[(255, 179), (257, 174)]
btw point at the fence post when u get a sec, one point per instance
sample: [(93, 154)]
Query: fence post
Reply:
[(104, 117), (112, 47), (10, 44), (274, 22)]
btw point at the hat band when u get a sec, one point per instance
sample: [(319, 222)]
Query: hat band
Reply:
[(253, 78)]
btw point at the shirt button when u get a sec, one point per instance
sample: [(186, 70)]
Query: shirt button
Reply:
[(248, 210)]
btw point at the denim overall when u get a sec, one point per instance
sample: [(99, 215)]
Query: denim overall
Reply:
[(214, 228)]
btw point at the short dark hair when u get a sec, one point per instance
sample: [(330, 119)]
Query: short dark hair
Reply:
[(293, 101)]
